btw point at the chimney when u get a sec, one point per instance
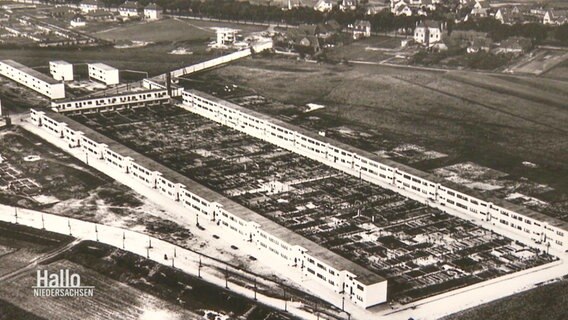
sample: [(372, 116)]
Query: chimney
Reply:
[(169, 83)]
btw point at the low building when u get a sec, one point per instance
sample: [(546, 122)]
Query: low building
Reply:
[(90, 5), (32, 79), (517, 45), (61, 70), (226, 36), (78, 21), (103, 73), (153, 12), (100, 15), (428, 32), (360, 29), (128, 100)]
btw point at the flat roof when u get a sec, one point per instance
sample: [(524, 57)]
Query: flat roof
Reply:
[(102, 66), (319, 252), (34, 73), (60, 62), (388, 162), (122, 94)]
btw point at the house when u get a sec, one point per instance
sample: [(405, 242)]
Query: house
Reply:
[(480, 9), (428, 32), (90, 5), (129, 9), (479, 45), (400, 8), (516, 45), (152, 12), (348, 5), (327, 30), (78, 21), (509, 16), (308, 45), (360, 29), (62, 12), (304, 39), (100, 15), (325, 5), (556, 17)]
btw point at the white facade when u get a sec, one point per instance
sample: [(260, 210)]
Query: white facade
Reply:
[(346, 278), (32, 79), (107, 103), (226, 36), (61, 70), (103, 73), (152, 12), (539, 231)]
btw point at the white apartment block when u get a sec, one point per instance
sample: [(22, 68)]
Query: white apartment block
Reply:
[(346, 278), (103, 73), (538, 230), (108, 103), (32, 79), (61, 70)]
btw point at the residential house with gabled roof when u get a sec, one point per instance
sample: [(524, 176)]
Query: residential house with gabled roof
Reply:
[(129, 9), (100, 15), (360, 29), (325, 5), (428, 32), (91, 5), (348, 5), (401, 8), (509, 15), (152, 12), (555, 17)]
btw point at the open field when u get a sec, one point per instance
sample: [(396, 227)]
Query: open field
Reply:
[(127, 286), (559, 72), (170, 30), (374, 49), (150, 58), (546, 302), (458, 114), (157, 31)]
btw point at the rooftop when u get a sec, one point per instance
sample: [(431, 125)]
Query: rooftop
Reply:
[(393, 164), (319, 252), (102, 66), (30, 71)]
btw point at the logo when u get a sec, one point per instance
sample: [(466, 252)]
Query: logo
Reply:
[(62, 284)]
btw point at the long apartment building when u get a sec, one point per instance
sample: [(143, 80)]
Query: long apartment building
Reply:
[(32, 79), (345, 277), (115, 102), (538, 230)]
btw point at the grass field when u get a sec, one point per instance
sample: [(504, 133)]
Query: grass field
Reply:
[(375, 49), (462, 115), (546, 302), (171, 30), (157, 31)]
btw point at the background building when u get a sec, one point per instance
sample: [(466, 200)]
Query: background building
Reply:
[(104, 73), (61, 70)]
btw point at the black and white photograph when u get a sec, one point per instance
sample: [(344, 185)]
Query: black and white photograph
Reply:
[(283, 159)]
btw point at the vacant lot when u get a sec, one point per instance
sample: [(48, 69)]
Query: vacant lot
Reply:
[(170, 30), (157, 31), (459, 114), (375, 49), (543, 303)]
